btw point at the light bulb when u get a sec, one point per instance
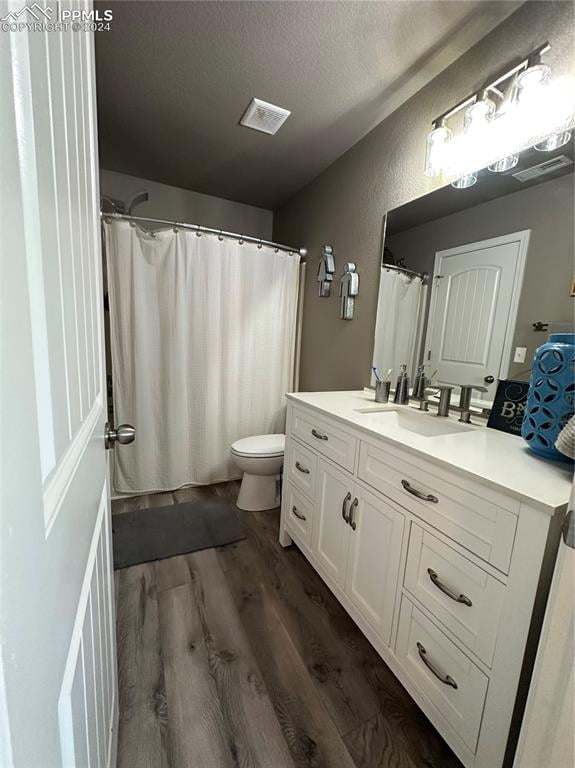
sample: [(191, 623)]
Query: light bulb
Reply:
[(437, 143), (465, 181), (478, 114), (554, 141), (505, 164), (532, 79)]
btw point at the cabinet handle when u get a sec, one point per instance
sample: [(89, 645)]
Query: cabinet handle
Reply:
[(351, 521), (305, 470), (297, 514), (453, 595), (318, 435), (343, 507), (419, 494), (445, 679)]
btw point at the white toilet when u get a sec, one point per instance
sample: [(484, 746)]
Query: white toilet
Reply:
[(260, 458)]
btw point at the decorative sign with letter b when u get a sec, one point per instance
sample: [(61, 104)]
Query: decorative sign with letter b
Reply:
[(509, 406)]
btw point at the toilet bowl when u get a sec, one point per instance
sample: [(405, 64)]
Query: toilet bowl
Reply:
[(260, 458)]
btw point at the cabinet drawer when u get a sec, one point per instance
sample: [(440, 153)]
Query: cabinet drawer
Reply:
[(298, 514), (466, 599), (324, 437), (444, 675), (300, 467), (481, 520)]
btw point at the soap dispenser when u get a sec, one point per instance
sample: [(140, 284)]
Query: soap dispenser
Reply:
[(401, 396), (420, 384)]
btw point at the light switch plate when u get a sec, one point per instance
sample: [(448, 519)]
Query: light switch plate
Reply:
[(520, 353)]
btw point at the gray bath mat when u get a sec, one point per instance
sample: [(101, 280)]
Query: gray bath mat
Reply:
[(156, 533)]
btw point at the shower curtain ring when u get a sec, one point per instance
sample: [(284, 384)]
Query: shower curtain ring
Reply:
[(198, 233), (260, 243), (220, 236), (241, 239), (276, 250)]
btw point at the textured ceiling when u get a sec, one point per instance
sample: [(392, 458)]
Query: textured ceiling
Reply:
[(175, 77)]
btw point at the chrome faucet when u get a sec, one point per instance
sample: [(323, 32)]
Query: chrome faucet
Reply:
[(464, 406), (465, 396), (444, 399)]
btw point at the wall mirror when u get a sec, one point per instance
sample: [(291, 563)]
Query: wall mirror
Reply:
[(473, 280)]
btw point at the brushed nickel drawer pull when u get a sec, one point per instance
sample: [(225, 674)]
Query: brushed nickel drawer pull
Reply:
[(318, 435), (305, 470), (298, 514), (419, 494), (445, 679), (344, 513), (352, 522), (453, 595)]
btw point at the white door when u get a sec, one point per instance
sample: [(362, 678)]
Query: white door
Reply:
[(330, 537), (473, 309), (58, 689), (373, 561)]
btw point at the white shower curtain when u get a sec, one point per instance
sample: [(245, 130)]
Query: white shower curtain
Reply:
[(398, 328), (202, 338)]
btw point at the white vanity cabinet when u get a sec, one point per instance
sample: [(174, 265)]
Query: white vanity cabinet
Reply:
[(356, 542), (440, 571)]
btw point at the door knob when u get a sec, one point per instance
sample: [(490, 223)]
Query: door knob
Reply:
[(489, 379), (123, 434)]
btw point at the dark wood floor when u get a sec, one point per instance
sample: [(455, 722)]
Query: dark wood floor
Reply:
[(241, 656)]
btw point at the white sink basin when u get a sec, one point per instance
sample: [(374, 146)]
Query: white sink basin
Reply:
[(420, 423)]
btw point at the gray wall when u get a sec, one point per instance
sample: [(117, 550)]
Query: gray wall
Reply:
[(344, 206), (192, 207), (547, 210)]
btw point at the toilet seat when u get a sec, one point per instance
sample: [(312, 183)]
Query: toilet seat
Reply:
[(260, 446)]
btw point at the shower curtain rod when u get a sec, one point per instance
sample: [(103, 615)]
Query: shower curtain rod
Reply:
[(422, 275), (208, 230)]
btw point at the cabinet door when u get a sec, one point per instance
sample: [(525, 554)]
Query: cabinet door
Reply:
[(376, 535), (330, 530)]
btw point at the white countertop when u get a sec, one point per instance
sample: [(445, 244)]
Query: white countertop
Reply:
[(500, 460)]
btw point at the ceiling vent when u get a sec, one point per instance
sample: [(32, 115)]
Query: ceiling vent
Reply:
[(264, 117), (543, 168)]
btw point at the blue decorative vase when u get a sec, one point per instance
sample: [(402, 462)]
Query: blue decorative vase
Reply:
[(551, 398)]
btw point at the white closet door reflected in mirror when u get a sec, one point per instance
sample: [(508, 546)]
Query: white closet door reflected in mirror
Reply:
[(473, 311)]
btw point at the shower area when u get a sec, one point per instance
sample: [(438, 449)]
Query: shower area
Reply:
[(203, 345)]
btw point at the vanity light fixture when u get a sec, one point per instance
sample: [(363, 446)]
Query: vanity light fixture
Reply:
[(464, 181), (479, 114), (437, 143), (505, 164), (476, 119), (554, 142), (523, 108)]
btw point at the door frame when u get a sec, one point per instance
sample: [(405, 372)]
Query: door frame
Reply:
[(522, 237)]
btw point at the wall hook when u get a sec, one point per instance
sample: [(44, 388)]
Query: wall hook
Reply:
[(325, 271), (348, 290)]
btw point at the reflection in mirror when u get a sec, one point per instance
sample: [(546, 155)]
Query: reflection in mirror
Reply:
[(474, 280)]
